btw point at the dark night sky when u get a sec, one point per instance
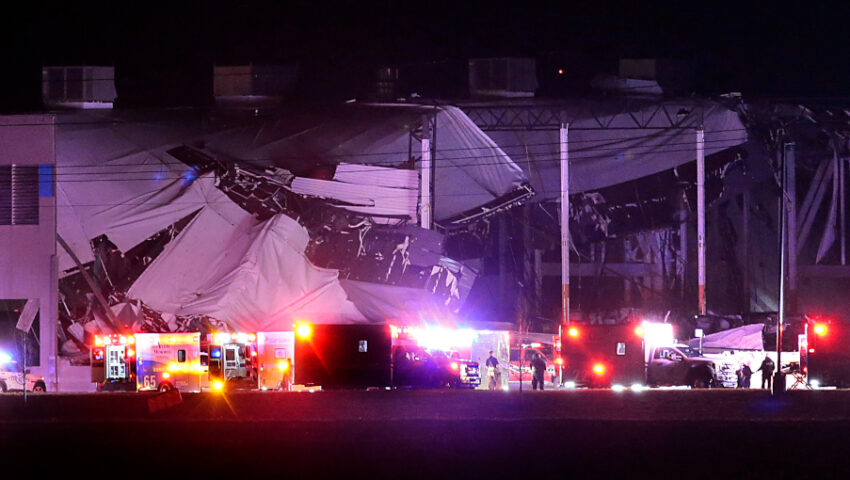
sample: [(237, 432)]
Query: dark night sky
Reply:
[(760, 48)]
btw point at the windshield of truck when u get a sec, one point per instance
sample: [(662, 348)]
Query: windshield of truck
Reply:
[(689, 352)]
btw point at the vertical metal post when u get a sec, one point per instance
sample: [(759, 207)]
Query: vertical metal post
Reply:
[(565, 225), (565, 235), (842, 211), (778, 378), (746, 247), (425, 185), (701, 219), (683, 243), (791, 224)]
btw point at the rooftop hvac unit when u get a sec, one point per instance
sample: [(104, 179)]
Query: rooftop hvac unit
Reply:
[(78, 86), (254, 80), (503, 77)]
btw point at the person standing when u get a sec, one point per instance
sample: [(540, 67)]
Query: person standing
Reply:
[(766, 369), (746, 373), (538, 370), (493, 373)]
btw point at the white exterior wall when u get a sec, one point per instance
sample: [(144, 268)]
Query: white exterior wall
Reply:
[(28, 252)]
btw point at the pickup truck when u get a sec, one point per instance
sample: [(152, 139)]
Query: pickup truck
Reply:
[(683, 365)]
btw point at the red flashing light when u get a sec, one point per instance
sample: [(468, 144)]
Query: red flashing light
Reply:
[(811, 350), (559, 361), (131, 352), (639, 331), (599, 369), (558, 344), (304, 331), (820, 329), (560, 71), (805, 369), (573, 332), (455, 366)]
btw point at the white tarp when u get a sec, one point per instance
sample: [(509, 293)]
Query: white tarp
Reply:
[(114, 178), (612, 143), (747, 337), (367, 189), (470, 169), (253, 275), (397, 305)]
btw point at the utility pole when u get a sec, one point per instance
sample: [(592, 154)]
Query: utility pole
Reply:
[(779, 377), (425, 210), (701, 219), (565, 235), (746, 247), (790, 198)]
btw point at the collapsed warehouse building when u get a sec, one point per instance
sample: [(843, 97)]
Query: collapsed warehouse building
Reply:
[(248, 217)]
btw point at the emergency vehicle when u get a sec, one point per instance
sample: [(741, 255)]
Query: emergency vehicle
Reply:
[(12, 378), (342, 356), (386, 356), (522, 355), (275, 354), (603, 355), (636, 354), (189, 362), (825, 353)]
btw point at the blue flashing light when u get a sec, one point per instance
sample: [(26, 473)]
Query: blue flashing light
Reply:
[(215, 353), (189, 175)]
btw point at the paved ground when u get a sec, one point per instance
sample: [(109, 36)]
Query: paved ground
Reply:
[(437, 434)]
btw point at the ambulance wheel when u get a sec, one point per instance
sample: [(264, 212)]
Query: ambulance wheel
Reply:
[(165, 387), (39, 387)]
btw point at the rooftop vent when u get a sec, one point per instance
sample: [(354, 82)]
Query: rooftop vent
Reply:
[(253, 81), (78, 86), (503, 77)]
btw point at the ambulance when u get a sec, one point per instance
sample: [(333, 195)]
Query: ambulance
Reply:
[(274, 359), (189, 362)]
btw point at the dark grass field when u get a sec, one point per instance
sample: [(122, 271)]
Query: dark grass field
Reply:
[(436, 434)]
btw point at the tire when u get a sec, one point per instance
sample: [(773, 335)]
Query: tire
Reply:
[(165, 387), (3, 388), (39, 387), (699, 381)]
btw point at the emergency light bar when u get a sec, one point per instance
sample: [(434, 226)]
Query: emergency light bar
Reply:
[(236, 337), (114, 339)]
